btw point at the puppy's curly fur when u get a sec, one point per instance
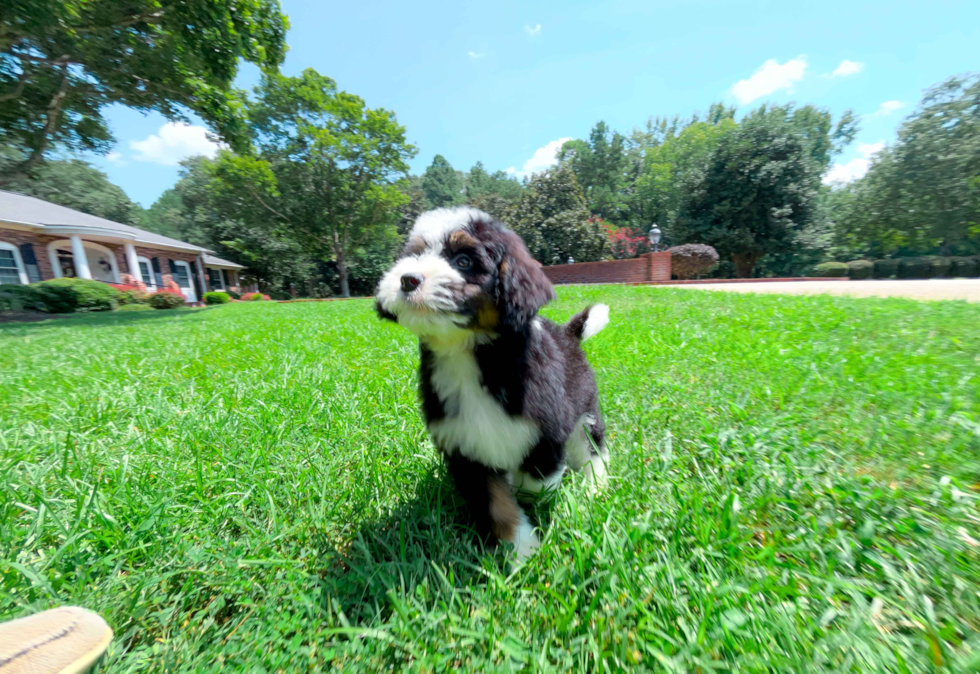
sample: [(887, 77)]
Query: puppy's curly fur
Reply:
[(509, 397)]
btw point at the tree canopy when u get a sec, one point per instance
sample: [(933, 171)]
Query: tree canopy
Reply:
[(62, 62)]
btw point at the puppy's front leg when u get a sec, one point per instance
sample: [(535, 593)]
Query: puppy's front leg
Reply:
[(491, 501)]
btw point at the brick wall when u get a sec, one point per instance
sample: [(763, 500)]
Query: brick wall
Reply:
[(18, 237), (644, 269)]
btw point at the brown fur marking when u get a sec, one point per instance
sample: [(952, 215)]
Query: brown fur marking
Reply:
[(460, 239), (415, 246), (504, 510)]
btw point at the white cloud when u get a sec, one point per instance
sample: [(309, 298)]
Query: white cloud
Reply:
[(543, 158), (173, 143), (475, 55), (770, 77), (888, 107), (532, 32), (510, 170), (114, 157), (841, 174), (847, 68)]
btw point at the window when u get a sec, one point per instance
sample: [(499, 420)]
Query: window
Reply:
[(11, 268), (181, 276), (214, 277), (146, 272)]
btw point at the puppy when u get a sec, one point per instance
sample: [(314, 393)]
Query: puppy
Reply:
[(508, 397)]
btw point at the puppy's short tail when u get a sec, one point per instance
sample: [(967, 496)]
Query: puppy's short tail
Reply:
[(588, 322)]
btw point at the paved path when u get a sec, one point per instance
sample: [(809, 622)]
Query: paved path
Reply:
[(932, 289)]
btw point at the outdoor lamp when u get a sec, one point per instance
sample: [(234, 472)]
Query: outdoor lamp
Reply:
[(655, 236), (571, 260)]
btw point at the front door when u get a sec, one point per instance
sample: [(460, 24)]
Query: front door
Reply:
[(183, 279)]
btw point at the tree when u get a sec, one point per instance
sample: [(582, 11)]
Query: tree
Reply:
[(479, 183), (79, 185), (325, 171), (923, 194), (757, 189), (442, 185), (552, 217), (63, 62), (600, 167)]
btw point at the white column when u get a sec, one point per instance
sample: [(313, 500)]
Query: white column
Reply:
[(132, 262), (78, 258)]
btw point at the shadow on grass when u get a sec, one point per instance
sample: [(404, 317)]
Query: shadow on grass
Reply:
[(93, 318), (426, 548)]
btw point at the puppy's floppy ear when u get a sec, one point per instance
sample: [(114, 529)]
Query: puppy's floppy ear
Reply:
[(523, 287)]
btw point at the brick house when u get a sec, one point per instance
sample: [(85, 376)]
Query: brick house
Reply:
[(40, 241)]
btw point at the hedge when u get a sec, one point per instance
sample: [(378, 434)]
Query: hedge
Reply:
[(965, 267), (166, 301), (67, 295), (860, 269), (20, 298), (691, 260), (217, 298), (885, 268), (830, 269)]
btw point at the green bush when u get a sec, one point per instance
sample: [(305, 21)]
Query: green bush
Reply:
[(885, 268), (927, 266), (20, 298), (166, 301), (964, 267), (217, 298), (234, 295), (255, 297), (67, 295), (858, 269), (133, 297), (128, 308), (830, 269)]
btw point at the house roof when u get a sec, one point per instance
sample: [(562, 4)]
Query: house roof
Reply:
[(37, 213), (218, 262)]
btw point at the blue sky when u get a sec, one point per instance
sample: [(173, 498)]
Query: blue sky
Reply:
[(503, 82)]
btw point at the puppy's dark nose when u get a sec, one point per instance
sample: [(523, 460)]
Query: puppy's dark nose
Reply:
[(411, 281)]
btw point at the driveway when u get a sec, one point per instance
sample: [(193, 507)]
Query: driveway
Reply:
[(931, 289)]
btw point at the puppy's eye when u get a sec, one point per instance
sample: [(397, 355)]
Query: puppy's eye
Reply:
[(462, 262)]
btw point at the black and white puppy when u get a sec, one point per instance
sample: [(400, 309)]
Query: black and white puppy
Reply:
[(508, 397)]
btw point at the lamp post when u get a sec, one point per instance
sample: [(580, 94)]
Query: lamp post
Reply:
[(571, 260), (655, 237)]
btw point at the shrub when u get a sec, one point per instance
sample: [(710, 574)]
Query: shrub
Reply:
[(234, 295), (885, 268), (67, 295), (858, 269), (128, 308), (254, 297), (692, 259), (830, 269), (20, 298), (280, 295), (166, 301), (217, 298), (133, 297), (928, 266), (962, 267)]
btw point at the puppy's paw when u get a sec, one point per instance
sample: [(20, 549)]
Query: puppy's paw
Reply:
[(594, 471), (524, 542)]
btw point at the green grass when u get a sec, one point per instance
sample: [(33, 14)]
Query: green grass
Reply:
[(794, 489)]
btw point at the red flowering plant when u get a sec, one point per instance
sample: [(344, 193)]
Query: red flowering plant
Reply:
[(623, 241)]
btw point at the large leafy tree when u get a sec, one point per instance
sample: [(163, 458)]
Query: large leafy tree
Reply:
[(78, 185), (600, 165), (923, 194), (757, 191), (480, 183), (553, 218), (62, 62), (324, 174), (442, 185)]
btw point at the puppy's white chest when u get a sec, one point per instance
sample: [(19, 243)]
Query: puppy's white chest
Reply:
[(476, 424)]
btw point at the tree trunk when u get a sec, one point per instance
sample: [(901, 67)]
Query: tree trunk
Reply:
[(339, 253), (744, 263)]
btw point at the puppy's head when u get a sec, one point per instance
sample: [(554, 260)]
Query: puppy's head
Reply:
[(462, 271)]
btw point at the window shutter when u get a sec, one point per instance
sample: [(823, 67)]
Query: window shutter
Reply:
[(30, 262), (224, 277), (157, 276), (173, 267)]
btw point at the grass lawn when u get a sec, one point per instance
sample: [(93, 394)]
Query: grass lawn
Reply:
[(794, 489)]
